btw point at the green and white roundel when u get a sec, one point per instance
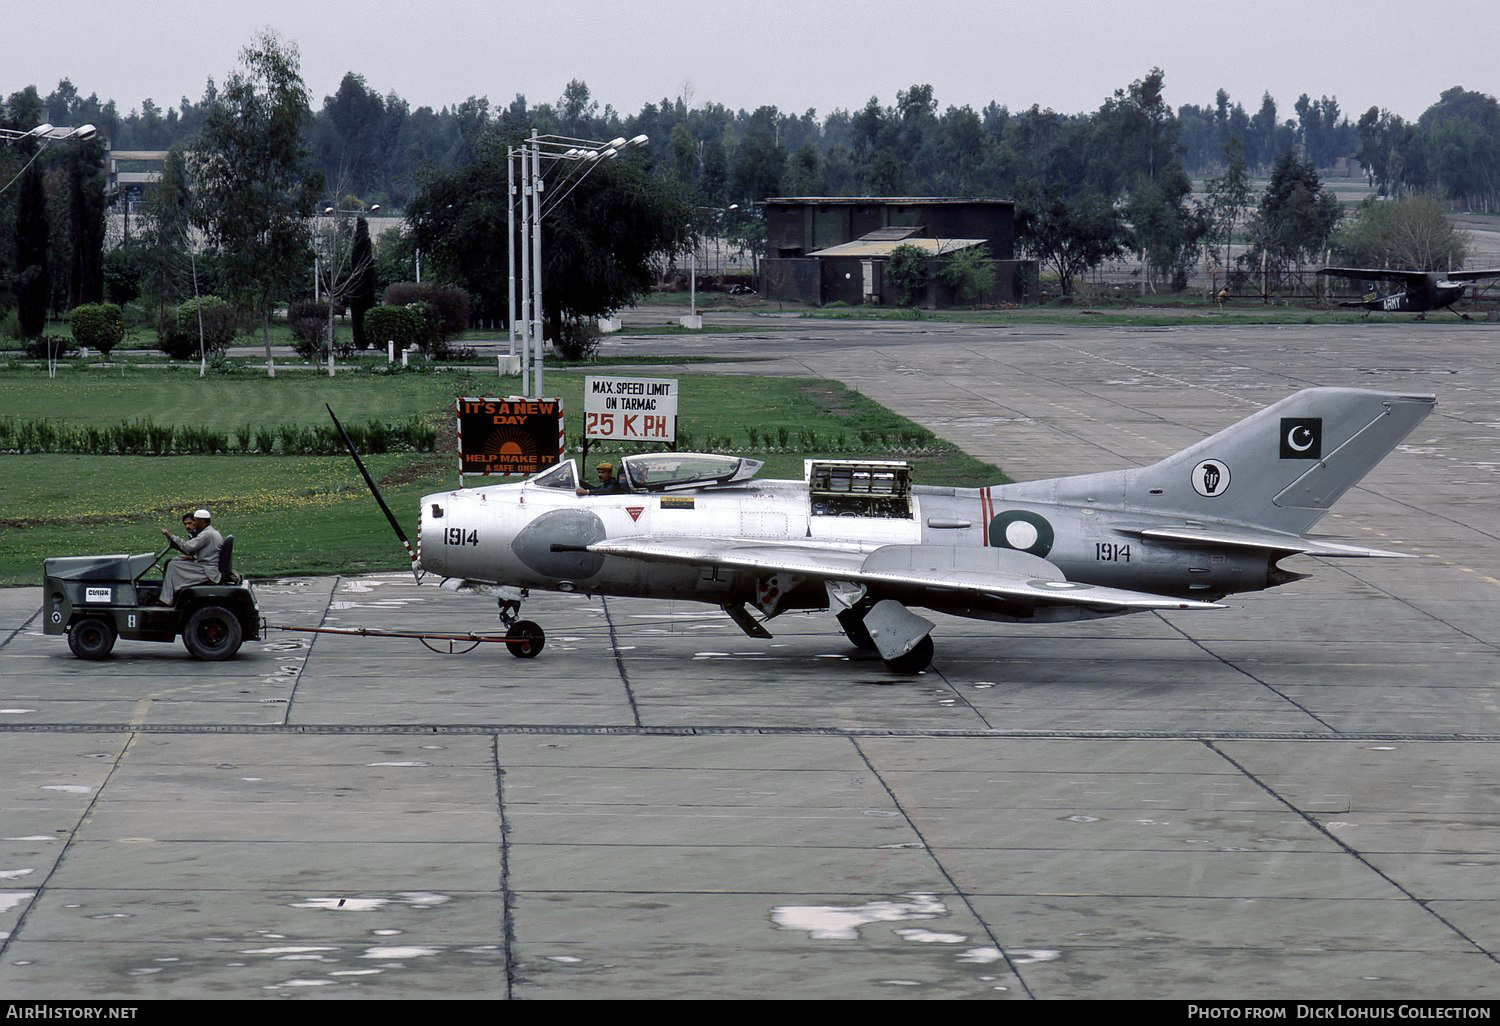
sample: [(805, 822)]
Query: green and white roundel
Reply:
[(1022, 530)]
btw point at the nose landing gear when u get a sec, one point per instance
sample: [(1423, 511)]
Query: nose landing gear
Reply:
[(524, 638)]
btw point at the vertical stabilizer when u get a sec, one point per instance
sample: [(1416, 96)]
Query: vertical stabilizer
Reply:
[(1281, 468)]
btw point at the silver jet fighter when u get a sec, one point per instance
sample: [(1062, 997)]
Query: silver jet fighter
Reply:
[(859, 538)]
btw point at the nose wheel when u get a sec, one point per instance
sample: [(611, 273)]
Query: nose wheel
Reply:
[(524, 638)]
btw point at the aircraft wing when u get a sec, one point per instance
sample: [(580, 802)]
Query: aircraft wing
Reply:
[(1471, 275), (1246, 537), (1377, 274), (1000, 573)]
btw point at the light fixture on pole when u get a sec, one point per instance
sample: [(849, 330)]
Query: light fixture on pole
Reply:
[(573, 154), (49, 133), (44, 133)]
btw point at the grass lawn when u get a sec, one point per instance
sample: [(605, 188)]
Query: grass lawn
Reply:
[(309, 514)]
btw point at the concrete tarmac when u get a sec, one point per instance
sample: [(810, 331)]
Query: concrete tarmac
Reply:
[(1290, 798)]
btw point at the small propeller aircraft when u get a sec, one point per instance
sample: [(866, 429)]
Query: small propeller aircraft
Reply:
[(1420, 291), (860, 538)]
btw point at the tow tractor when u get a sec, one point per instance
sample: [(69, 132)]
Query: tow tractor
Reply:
[(96, 599)]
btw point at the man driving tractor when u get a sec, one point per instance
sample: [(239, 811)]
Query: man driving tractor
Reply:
[(199, 562)]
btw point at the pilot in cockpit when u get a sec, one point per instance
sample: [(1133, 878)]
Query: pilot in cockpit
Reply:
[(608, 483)]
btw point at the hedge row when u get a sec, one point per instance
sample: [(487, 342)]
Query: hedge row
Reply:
[(145, 438)]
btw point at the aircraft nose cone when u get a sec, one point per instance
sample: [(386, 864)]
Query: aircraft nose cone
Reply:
[(569, 527)]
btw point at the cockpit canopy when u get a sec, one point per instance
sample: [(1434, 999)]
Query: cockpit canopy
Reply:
[(680, 471), (564, 475), (662, 472)]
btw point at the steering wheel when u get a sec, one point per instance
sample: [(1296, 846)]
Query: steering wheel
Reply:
[(153, 565)]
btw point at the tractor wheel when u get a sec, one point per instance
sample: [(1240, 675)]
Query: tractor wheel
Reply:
[(526, 639), (212, 633), (92, 638)]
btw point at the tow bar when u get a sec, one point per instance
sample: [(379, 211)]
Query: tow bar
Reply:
[(524, 639)]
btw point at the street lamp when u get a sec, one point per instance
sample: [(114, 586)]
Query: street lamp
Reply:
[(572, 154), (43, 133), (49, 133)]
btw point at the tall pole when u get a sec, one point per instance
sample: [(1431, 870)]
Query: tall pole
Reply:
[(536, 278), (510, 244), (525, 279)]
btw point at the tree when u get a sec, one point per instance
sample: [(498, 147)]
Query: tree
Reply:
[(254, 184), (759, 160), (33, 279), (598, 242), (907, 274), (1293, 221), (1413, 233), (1072, 235), (1228, 196), (603, 241), (1461, 133), (86, 222), (165, 243), (362, 289), (970, 273), (747, 234), (1380, 133), (349, 139)]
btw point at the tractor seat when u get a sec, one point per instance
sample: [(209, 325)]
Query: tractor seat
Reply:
[(226, 570)]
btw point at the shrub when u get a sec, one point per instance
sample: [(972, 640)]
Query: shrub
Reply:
[(906, 274), (452, 303), (122, 274), (309, 323), (48, 346), (177, 330), (578, 340), (433, 337), (99, 326), (399, 324), (970, 273)]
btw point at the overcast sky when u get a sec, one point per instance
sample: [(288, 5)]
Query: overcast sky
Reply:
[(1069, 55)]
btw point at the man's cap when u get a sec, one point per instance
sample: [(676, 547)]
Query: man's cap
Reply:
[(202, 514), (606, 466)]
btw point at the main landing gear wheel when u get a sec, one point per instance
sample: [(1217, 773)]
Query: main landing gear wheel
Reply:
[(915, 661), (852, 623), (526, 639), (92, 638), (212, 633)]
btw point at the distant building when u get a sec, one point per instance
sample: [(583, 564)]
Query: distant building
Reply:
[(132, 174), (827, 249)]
